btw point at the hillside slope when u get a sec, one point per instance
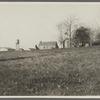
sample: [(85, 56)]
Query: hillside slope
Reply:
[(61, 72)]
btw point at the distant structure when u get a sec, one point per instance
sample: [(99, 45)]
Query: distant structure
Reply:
[(65, 43), (67, 40), (32, 49), (21, 49), (6, 49), (96, 40), (48, 45), (17, 45)]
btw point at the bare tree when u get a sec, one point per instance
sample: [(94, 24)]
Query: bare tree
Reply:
[(66, 29)]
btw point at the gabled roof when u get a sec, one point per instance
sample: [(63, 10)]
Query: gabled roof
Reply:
[(47, 43)]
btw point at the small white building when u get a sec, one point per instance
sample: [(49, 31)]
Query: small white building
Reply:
[(32, 49), (21, 49), (67, 43), (48, 45)]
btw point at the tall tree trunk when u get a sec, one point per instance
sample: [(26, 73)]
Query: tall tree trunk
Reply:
[(63, 44), (70, 34), (90, 42), (70, 39)]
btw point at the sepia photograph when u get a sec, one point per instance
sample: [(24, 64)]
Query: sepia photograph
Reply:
[(49, 49)]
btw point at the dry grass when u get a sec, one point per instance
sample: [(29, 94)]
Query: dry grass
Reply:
[(60, 72)]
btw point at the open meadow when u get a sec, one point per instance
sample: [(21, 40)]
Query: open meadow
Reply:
[(57, 72)]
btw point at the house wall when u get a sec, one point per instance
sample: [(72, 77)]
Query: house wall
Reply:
[(6, 49), (11, 49), (47, 47), (3, 49)]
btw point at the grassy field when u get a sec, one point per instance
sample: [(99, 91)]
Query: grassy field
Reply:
[(62, 72)]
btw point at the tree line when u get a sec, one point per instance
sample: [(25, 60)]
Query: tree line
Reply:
[(76, 33)]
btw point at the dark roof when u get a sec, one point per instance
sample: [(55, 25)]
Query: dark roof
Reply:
[(47, 43)]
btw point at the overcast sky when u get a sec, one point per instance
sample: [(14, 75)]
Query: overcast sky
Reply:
[(35, 22)]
